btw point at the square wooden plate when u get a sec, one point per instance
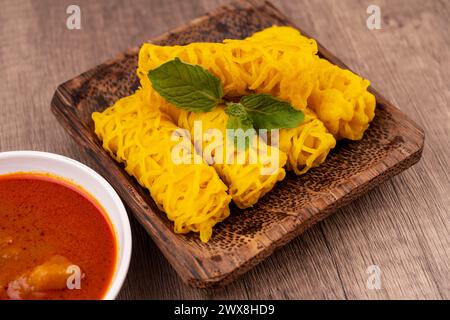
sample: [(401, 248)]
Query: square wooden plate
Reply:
[(392, 143)]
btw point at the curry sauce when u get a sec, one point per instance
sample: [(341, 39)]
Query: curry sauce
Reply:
[(56, 242)]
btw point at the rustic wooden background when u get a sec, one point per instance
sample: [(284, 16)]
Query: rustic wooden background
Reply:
[(402, 226)]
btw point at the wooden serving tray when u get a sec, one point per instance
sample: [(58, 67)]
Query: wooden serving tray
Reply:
[(392, 143)]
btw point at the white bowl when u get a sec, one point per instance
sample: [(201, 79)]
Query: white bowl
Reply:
[(98, 187)]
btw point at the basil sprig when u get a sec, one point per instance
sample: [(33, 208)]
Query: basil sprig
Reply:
[(187, 86), (193, 88), (238, 118)]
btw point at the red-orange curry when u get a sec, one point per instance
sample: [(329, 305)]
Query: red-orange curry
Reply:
[(54, 239)]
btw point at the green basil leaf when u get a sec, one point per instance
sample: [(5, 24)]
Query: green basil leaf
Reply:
[(236, 109), (238, 119), (187, 86), (268, 112)]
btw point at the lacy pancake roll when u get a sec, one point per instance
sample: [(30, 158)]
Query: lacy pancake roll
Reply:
[(282, 62), (138, 135), (306, 146), (339, 97), (249, 172)]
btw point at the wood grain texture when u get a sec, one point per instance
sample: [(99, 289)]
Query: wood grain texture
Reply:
[(402, 226), (392, 144)]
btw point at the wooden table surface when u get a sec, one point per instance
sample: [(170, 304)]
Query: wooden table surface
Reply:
[(402, 226)]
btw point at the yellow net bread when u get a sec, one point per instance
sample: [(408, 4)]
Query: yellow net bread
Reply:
[(243, 66), (196, 189), (138, 135), (341, 100), (308, 145), (339, 97), (282, 62), (247, 180)]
